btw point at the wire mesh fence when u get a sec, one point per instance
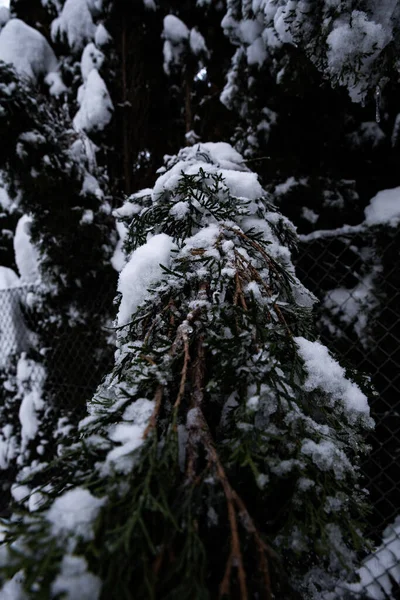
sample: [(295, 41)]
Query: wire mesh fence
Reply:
[(356, 278), (358, 317), (71, 352)]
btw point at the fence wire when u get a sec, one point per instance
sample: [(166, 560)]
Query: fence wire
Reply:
[(68, 367), (358, 317), (357, 283)]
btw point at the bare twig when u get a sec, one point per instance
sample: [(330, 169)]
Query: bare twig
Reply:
[(153, 419)]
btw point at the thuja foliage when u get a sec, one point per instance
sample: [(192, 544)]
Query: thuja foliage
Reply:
[(219, 458)]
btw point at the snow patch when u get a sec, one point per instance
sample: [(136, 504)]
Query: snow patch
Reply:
[(129, 435), (30, 54), (325, 374), (75, 25), (92, 58), (74, 581), (26, 255), (74, 513), (384, 208), (96, 107), (142, 271)]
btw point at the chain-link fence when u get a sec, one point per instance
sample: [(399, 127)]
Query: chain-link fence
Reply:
[(73, 361), (356, 277)]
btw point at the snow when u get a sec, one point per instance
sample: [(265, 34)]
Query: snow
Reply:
[(359, 37), (384, 208), (74, 513), (281, 26), (92, 58), (380, 566), (102, 37), (142, 271), (4, 14), (118, 259), (96, 107), (175, 30), (353, 306), (325, 374), (176, 36), (129, 435), (30, 53), (212, 157), (309, 215), (197, 43), (26, 255), (5, 200), (74, 581), (75, 24), (224, 155), (13, 590), (31, 403), (249, 30), (30, 380), (256, 53), (20, 492), (243, 185), (205, 238), (327, 456)]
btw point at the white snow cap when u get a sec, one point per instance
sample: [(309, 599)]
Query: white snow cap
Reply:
[(102, 37), (175, 30), (129, 435), (12, 589), (384, 208), (26, 255), (197, 43), (92, 58), (360, 36), (226, 161), (74, 581), (74, 513), (30, 54), (96, 107), (176, 36), (142, 271), (4, 15), (75, 24), (325, 374)]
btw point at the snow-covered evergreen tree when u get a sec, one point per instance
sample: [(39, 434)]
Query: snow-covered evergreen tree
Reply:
[(63, 246), (220, 457)]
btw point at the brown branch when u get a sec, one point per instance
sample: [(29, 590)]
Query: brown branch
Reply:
[(153, 419), (235, 557), (262, 547), (239, 292), (198, 374), (225, 586), (184, 371)]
